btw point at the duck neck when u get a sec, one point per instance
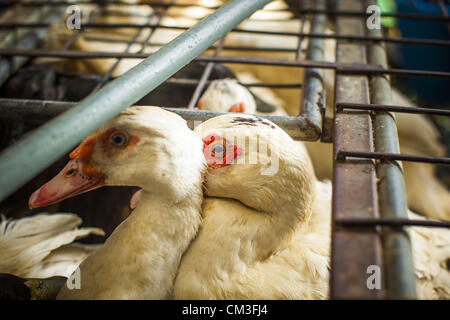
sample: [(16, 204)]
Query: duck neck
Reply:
[(170, 228), (284, 207)]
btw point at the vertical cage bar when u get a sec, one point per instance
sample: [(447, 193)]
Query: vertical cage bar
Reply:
[(354, 250), (312, 78), (397, 255)]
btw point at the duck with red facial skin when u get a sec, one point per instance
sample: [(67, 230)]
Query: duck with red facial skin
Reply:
[(266, 228), (155, 150), (265, 231)]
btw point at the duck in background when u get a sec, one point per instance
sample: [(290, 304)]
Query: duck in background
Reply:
[(228, 95)]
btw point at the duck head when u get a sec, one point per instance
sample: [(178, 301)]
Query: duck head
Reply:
[(146, 147), (227, 95), (252, 160)]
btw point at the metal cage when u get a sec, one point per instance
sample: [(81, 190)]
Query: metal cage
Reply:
[(369, 206)]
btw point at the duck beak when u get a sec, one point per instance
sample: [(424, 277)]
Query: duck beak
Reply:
[(76, 178), (237, 107)]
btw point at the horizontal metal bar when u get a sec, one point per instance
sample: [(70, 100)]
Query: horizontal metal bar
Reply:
[(412, 41), (159, 44), (367, 69), (415, 16), (343, 155), (36, 111), (249, 85), (102, 2), (386, 107), (389, 222), (35, 152), (344, 68)]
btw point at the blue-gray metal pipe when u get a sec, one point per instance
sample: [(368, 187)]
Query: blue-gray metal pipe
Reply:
[(397, 252), (34, 153)]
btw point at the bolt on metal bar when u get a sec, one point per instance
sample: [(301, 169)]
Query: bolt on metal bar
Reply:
[(387, 107), (35, 152), (37, 111), (398, 261), (386, 156), (354, 182)]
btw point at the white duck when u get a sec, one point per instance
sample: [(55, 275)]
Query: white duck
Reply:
[(266, 227), (41, 246), (228, 95), (268, 236), (155, 150)]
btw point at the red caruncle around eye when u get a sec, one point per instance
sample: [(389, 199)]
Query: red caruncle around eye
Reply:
[(218, 153)]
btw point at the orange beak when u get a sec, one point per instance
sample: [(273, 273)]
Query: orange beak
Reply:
[(237, 107)]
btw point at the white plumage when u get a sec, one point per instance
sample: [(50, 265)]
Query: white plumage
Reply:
[(155, 150), (268, 236), (41, 246)]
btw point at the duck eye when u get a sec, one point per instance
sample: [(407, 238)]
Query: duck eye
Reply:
[(218, 150), (118, 139)]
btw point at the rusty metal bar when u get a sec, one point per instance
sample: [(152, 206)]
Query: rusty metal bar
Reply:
[(354, 181)]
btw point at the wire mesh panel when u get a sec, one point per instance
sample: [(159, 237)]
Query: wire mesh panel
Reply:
[(368, 188)]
